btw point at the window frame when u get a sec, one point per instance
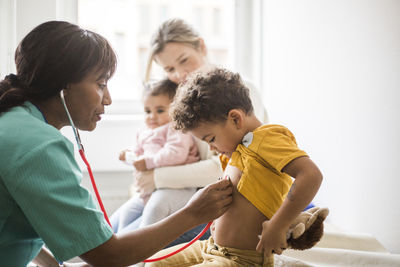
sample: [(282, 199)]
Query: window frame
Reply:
[(17, 19), (124, 117)]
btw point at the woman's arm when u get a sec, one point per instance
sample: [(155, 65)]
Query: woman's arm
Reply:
[(196, 174), (308, 179), (132, 247)]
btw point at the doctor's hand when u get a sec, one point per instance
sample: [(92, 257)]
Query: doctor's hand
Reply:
[(144, 183), (273, 239), (211, 201)]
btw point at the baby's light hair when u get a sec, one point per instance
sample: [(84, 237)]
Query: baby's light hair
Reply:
[(162, 87)]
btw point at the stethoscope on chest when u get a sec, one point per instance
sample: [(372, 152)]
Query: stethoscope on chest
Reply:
[(89, 169)]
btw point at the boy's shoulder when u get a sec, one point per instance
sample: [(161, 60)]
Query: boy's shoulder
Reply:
[(268, 128), (270, 133)]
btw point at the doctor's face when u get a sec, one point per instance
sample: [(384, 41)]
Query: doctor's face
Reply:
[(179, 60), (86, 101)]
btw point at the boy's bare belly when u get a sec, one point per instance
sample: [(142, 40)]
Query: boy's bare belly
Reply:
[(240, 226)]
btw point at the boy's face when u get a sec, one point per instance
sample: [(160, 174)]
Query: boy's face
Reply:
[(222, 137), (156, 110)]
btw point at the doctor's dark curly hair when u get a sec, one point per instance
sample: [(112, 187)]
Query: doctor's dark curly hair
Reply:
[(208, 97)]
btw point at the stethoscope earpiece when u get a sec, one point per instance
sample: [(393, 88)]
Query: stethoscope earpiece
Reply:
[(76, 133)]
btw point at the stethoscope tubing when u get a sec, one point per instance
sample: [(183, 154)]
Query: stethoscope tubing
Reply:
[(98, 197)]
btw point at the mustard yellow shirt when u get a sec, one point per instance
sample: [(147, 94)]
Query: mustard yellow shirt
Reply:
[(261, 157)]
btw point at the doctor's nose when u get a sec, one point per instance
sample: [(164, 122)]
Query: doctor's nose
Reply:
[(106, 98)]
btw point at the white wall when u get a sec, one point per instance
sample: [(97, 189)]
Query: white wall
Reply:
[(332, 75), (102, 146)]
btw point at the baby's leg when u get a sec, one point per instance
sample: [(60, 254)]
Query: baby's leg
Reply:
[(164, 202), (127, 213)]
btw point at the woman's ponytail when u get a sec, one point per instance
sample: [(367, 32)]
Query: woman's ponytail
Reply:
[(11, 93)]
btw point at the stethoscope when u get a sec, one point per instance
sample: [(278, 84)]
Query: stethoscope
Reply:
[(89, 169), (82, 153)]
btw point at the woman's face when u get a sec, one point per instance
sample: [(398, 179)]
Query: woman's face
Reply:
[(86, 101), (178, 60)]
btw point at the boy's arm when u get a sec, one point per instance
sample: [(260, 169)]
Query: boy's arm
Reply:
[(308, 179)]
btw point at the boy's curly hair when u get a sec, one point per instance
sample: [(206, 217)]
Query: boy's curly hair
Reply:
[(208, 97)]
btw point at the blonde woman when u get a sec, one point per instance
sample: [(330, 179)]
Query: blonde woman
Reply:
[(180, 50)]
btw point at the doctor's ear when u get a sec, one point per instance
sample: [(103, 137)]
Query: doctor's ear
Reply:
[(63, 92), (65, 89)]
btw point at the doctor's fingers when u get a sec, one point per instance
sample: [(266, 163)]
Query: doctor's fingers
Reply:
[(225, 203), (219, 185)]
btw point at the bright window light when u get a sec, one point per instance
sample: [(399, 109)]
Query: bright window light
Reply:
[(129, 25)]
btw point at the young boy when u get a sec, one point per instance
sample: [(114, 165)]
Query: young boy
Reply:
[(216, 108)]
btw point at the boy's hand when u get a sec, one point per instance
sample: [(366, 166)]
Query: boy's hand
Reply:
[(273, 239), (140, 165)]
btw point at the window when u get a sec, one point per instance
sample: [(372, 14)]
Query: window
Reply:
[(129, 25), (8, 34)]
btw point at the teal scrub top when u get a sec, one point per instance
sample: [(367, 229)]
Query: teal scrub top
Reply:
[(41, 199)]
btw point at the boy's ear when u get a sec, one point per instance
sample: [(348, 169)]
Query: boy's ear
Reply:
[(236, 116)]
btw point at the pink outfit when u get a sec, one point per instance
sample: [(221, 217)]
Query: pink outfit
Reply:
[(165, 146)]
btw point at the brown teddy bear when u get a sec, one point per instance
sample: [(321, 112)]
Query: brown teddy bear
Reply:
[(307, 229)]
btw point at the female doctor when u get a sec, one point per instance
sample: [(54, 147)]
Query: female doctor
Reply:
[(41, 200)]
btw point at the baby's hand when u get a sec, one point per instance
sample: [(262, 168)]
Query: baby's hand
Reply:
[(140, 165), (122, 155)]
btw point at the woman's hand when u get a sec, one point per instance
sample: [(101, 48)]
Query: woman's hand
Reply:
[(273, 239), (211, 201), (144, 183)]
